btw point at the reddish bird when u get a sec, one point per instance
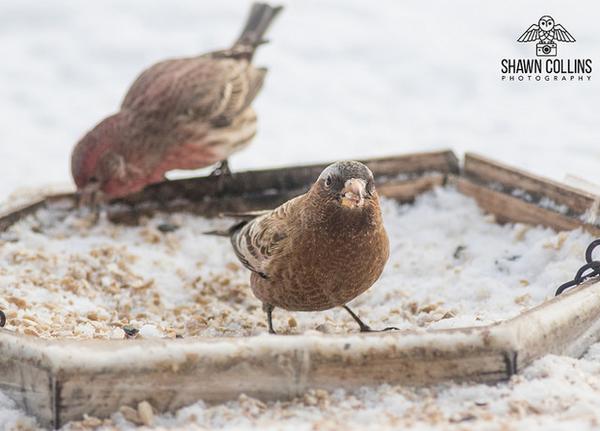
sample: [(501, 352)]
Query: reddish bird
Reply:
[(319, 250), (185, 113)]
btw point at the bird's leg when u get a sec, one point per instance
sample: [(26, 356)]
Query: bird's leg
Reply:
[(221, 172), (91, 198), (268, 308), (363, 326), (96, 207), (225, 167)]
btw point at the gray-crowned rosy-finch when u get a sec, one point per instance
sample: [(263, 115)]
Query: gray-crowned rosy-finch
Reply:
[(184, 113), (319, 250)]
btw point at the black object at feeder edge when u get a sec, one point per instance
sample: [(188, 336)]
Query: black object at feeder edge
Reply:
[(592, 267), (130, 331), (2, 319)]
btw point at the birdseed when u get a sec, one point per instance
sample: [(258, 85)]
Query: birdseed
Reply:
[(61, 276)]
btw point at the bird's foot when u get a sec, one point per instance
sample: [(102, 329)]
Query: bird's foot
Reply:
[(221, 172), (363, 326), (367, 328), (221, 169)]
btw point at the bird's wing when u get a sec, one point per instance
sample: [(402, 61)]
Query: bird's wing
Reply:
[(531, 34), (266, 238), (244, 85), (248, 215), (200, 89), (562, 35)]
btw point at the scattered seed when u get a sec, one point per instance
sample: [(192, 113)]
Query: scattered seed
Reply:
[(292, 322), (21, 303), (146, 413), (130, 414)]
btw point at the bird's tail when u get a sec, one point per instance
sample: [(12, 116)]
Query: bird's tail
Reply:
[(259, 20), (244, 217), (227, 232)]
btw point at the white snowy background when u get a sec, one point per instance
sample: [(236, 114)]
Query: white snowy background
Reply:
[(348, 79)]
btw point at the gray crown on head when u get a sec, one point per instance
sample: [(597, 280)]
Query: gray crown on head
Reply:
[(348, 169)]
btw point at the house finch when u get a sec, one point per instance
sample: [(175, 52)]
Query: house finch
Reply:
[(319, 250), (184, 113)]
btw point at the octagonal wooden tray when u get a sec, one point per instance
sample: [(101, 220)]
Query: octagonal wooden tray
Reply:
[(61, 380)]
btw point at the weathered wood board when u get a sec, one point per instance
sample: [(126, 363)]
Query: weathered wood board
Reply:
[(401, 177), (61, 380), (514, 195)]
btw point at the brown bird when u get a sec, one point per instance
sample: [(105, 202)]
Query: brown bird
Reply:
[(184, 113), (319, 250)]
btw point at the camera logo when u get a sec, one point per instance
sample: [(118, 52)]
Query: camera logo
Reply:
[(547, 32)]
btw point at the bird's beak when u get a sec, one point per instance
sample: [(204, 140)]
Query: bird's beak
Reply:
[(353, 193)]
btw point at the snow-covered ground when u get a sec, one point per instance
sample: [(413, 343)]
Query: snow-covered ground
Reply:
[(348, 79)]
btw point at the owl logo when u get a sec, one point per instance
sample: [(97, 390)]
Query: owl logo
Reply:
[(547, 32)]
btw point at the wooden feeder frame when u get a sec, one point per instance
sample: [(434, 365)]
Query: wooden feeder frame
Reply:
[(61, 380)]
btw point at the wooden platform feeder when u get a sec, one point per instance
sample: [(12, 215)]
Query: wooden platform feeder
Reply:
[(61, 380)]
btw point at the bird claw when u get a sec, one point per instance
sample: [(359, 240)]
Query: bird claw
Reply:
[(367, 328), (363, 326), (221, 170)]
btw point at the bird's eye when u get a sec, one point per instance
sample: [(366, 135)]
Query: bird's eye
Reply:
[(328, 181), (93, 180)]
